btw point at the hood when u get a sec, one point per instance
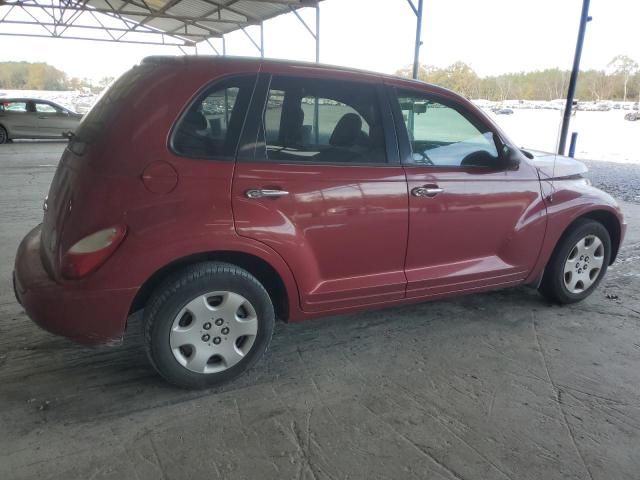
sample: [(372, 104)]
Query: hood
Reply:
[(564, 166)]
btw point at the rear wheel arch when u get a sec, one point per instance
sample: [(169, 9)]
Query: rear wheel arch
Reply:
[(8, 136), (266, 274)]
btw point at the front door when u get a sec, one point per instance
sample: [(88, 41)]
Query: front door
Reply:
[(474, 222), (323, 187), (51, 120)]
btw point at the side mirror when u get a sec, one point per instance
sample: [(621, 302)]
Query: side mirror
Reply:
[(511, 157), (415, 107), (420, 107)]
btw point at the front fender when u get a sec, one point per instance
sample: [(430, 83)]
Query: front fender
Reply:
[(566, 201)]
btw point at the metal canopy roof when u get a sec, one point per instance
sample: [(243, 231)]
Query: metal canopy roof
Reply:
[(164, 22)]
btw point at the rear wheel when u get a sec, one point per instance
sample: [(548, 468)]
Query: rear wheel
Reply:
[(207, 325), (4, 136), (578, 263)]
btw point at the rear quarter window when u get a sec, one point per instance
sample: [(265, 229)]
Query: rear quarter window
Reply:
[(95, 121)]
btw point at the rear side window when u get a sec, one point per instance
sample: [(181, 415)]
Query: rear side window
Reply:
[(14, 106), (323, 121), (211, 126), (444, 136)]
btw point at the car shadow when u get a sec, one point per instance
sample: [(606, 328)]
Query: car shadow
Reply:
[(61, 382)]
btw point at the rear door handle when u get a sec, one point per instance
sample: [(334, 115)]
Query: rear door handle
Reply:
[(426, 191), (260, 193)]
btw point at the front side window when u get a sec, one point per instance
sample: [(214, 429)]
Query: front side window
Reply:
[(45, 108), (211, 126), (443, 136), (323, 121)]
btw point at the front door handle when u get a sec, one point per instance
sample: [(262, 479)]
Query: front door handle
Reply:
[(260, 193), (426, 191)]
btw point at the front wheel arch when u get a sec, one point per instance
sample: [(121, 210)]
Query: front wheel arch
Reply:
[(609, 221)]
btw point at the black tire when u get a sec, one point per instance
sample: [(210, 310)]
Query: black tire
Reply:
[(553, 285), (186, 285), (4, 136)]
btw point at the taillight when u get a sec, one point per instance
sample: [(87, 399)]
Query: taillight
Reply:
[(92, 251)]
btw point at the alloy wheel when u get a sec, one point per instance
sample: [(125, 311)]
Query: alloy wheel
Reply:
[(584, 264), (213, 332)]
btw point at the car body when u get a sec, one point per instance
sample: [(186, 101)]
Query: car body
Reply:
[(35, 118), (502, 111), (338, 190)]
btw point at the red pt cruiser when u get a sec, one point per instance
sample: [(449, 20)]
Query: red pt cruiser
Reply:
[(218, 194)]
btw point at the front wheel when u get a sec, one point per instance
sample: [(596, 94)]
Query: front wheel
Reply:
[(207, 325), (578, 263), (4, 136)]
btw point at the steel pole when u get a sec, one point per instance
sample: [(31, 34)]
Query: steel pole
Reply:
[(416, 53), (316, 106), (317, 33), (584, 18), (261, 40)]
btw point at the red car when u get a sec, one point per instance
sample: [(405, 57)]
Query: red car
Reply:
[(219, 194)]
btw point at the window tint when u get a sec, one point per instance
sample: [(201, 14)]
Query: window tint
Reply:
[(323, 121), (212, 125), (440, 135), (45, 108), (14, 106)]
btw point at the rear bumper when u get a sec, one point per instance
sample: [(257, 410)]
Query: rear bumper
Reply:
[(75, 310)]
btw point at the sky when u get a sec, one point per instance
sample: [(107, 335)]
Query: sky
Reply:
[(493, 36)]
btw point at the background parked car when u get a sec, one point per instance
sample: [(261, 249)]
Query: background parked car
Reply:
[(632, 116), (502, 111), (34, 118)]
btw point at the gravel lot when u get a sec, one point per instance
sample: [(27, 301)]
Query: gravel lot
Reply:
[(491, 386), (622, 180)]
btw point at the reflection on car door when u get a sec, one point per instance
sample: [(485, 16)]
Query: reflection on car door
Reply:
[(473, 224), (324, 188)]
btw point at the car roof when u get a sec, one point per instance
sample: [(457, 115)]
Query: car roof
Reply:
[(25, 99), (207, 59)]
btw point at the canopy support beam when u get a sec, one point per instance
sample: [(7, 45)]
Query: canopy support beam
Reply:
[(573, 80), (316, 34), (417, 10)]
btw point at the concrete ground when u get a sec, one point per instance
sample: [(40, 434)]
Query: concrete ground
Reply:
[(488, 386)]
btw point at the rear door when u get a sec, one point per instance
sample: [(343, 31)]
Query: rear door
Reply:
[(15, 117), (318, 179), (474, 223)]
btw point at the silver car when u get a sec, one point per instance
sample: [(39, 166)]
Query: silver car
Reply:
[(33, 118)]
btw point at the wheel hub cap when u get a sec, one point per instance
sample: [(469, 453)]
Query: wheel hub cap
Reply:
[(213, 332), (584, 263)]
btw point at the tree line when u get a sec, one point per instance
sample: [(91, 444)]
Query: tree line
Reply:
[(620, 81), (42, 76)]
